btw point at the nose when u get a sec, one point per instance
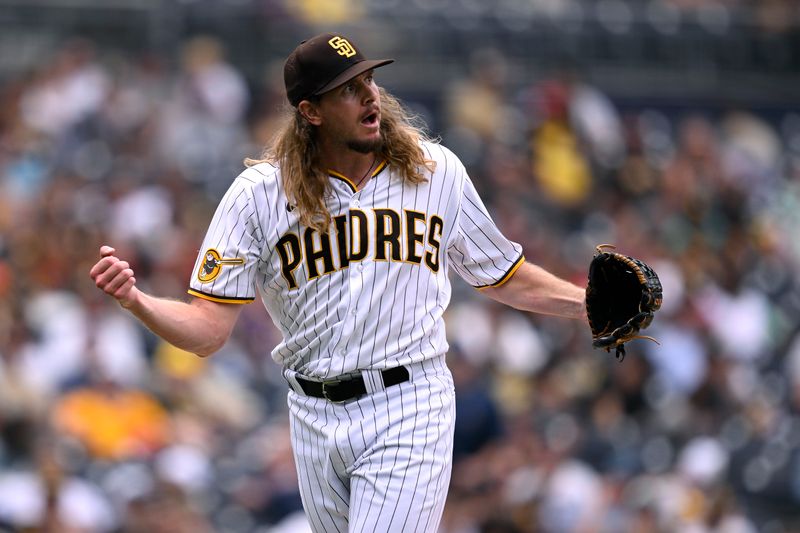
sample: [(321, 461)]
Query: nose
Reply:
[(370, 93)]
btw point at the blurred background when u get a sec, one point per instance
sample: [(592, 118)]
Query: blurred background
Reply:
[(670, 128)]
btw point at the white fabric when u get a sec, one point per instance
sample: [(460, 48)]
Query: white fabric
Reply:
[(379, 463)]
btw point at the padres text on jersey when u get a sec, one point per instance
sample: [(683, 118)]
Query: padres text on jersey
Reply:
[(384, 235)]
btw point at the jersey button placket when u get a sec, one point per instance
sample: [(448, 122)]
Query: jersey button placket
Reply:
[(355, 286), (354, 291)]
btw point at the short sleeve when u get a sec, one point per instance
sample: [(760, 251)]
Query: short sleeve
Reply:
[(479, 252), (226, 265)]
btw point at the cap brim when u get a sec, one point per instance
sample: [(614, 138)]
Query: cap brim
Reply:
[(352, 72)]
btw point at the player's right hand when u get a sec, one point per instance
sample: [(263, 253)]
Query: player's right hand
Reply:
[(115, 277)]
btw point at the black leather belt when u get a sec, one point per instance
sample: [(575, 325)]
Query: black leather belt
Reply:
[(342, 390)]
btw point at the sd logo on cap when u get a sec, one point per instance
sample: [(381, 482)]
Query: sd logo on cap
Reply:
[(323, 63)]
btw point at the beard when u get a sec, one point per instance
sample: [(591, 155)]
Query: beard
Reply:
[(365, 147)]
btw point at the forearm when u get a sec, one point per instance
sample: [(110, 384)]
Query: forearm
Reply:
[(201, 327), (184, 325), (536, 290)]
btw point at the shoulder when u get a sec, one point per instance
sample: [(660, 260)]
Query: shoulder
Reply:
[(262, 176), (260, 173), (447, 163), (439, 153)]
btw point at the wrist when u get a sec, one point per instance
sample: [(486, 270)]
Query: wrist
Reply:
[(130, 300)]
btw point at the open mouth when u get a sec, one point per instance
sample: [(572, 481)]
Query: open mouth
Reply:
[(371, 119)]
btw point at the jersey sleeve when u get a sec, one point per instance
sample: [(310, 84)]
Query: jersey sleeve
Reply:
[(226, 265), (480, 254)]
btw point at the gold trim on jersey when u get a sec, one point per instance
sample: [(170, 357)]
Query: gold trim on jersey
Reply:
[(351, 183), (316, 248), (387, 232), (506, 276), (220, 299), (413, 239), (286, 245)]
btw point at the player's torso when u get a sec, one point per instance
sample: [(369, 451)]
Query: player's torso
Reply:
[(369, 293)]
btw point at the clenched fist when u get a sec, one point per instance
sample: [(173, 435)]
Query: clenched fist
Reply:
[(115, 277)]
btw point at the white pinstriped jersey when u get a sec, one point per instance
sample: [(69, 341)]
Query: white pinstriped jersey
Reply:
[(369, 294)]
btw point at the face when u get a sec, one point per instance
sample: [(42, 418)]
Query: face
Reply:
[(350, 114)]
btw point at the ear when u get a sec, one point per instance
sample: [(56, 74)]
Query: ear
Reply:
[(310, 112)]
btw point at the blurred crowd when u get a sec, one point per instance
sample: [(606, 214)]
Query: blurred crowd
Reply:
[(104, 428), (769, 15)]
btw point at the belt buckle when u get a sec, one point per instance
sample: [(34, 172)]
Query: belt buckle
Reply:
[(329, 383)]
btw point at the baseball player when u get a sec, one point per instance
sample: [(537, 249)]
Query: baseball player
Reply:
[(346, 231)]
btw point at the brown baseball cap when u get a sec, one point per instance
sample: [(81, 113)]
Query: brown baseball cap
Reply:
[(323, 63)]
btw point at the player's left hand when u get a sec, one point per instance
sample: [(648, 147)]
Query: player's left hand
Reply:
[(622, 297)]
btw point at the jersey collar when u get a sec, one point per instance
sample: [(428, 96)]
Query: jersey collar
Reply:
[(349, 182)]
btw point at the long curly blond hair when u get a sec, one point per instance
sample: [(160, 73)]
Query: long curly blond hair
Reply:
[(305, 181)]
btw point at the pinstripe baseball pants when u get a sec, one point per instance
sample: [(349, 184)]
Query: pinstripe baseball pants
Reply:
[(381, 462)]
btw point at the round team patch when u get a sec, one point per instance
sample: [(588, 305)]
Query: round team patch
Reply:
[(212, 265)]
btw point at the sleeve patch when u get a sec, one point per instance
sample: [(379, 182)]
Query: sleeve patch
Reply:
[(213, 264)]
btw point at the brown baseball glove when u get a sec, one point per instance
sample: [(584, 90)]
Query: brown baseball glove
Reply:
[(622, 296)]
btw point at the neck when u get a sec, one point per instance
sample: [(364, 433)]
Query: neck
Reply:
[(354, 165)]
